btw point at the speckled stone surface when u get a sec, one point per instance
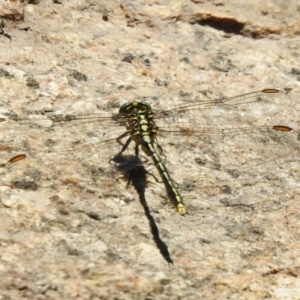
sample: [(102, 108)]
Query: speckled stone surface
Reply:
[(69, 227)]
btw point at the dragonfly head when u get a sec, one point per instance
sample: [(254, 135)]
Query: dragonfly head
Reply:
[(128, 108)]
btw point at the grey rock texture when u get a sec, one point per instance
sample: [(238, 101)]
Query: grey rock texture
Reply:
[(69, 227)]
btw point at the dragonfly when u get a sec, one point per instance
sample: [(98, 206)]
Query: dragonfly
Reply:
[(223, 123)]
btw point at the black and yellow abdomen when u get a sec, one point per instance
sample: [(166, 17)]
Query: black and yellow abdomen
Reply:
[(142, 130)]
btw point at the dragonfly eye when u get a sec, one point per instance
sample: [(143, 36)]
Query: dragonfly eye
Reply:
[(128, 108), (124, 107)]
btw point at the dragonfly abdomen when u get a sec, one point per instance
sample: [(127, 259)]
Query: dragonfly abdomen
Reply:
[(172, 192)]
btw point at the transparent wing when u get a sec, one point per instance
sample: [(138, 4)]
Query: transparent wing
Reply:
[(248, 122), (51, 120), (246, 108), (247, 117), (53, 136), (269, 143), (243, 127)]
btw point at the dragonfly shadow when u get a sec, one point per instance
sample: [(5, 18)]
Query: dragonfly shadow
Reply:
[(134, 171)]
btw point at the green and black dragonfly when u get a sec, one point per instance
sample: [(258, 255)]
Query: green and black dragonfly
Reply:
[(223, 123)]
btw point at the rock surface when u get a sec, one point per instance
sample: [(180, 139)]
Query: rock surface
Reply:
[(69, 228)]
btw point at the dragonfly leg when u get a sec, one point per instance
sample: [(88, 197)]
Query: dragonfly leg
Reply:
[(124, 146)]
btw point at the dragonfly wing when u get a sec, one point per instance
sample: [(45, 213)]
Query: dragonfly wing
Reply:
[(19, 123), (246, 145), (39, 138), (250, 108)]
